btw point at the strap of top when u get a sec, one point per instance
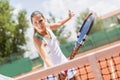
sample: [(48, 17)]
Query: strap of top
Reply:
[(41, 37), (38, 35)]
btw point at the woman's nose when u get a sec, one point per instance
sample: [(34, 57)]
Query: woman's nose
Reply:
[(39, 24)]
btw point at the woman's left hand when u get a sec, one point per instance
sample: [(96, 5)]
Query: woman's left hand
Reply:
[(70, 14)]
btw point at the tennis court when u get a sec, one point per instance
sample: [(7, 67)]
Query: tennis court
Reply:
[(102, 63)]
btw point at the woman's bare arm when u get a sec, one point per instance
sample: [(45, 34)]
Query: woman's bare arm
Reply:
[(62, 22), (40, 46)]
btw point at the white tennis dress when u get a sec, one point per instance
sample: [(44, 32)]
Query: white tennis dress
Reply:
[(56, 55)]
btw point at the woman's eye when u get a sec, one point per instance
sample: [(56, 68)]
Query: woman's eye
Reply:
[(35, 23), (40, 21)]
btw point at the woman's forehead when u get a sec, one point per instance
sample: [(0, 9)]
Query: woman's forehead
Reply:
[(37, 17)]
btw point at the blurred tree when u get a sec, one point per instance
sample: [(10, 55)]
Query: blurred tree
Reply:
[(60, 33), (12, 32), (97, 26)]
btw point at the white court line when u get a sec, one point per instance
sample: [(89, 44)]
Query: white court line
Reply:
[(3, 77), (112, 69)]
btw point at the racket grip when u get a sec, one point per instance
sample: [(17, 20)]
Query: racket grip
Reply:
[(74, 52)]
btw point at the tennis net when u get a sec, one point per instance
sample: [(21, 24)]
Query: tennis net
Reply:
[(102, 64)]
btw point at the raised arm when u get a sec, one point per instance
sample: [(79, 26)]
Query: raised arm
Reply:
[(60, 23)]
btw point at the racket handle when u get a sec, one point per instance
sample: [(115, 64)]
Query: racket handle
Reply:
[(74, 52)]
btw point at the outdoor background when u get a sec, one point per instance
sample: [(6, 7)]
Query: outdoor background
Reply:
[(16, 32)]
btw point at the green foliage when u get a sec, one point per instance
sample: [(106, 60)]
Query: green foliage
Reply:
[(97, 26), (12, 32), (60, 33)]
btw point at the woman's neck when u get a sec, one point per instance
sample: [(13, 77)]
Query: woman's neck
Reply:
[(46, 34)]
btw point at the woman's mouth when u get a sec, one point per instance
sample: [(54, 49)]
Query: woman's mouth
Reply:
[(40, 27)]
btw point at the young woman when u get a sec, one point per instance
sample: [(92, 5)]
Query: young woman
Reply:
[(46, 42)]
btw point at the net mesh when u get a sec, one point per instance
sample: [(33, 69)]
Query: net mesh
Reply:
[(110, 68), (84, 73), (107, 61)]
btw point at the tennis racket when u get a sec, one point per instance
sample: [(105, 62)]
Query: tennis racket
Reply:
[(83, 33)]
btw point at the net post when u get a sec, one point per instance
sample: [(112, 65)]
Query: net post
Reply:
[(95, 68)]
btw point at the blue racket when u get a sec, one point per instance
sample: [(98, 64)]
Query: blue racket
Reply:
[(83, 33)]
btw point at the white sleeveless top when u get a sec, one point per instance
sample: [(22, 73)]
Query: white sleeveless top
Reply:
[(56, 55), (52, 47)]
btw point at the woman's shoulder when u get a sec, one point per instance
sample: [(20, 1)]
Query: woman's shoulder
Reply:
[(37, 41), (48, 26), (35, 38)]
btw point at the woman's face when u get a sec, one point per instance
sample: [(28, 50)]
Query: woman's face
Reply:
[(39, 23)]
